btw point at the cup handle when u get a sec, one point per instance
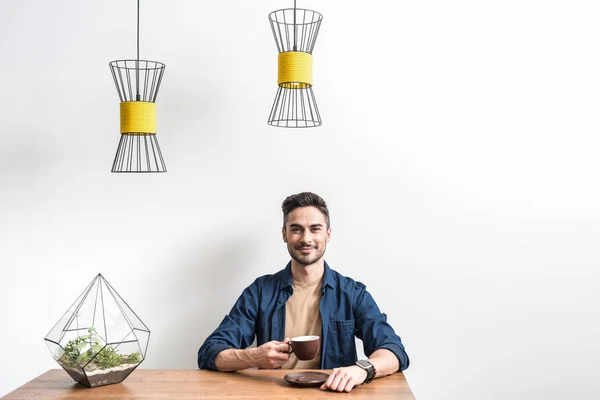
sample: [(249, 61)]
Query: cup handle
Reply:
[(291, 349)]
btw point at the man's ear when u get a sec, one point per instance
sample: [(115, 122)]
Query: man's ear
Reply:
[(283, 234), (328, 235)]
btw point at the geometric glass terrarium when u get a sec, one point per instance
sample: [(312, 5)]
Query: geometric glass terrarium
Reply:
[(99, 340)]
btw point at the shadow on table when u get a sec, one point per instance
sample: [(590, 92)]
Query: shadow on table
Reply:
[(277, 380)]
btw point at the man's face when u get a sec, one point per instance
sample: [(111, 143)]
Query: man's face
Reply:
[(306, 234)]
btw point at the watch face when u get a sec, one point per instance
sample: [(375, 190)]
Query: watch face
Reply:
[(367, 366)]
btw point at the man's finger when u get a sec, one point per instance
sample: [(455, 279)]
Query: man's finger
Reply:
[(343, 382), (279, 356), (327, 383), (349, 385), (288, 341), (336, 381), (276, 345), (283, 347)]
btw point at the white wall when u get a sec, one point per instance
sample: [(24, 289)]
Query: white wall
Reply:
[(458, 154)]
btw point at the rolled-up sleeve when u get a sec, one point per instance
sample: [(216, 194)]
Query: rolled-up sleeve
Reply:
[(373, 329), (236, 331)]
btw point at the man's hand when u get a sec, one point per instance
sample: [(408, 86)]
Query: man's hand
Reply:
[(272, 354), (345, 378)]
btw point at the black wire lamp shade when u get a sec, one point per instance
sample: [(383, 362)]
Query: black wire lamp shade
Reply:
[(295, 31), (99, 340), (137, 83)]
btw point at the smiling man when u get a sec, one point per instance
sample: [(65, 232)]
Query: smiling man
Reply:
[(306, 298)]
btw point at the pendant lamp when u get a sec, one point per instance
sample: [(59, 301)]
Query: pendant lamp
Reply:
[(137, 83), (295, 31)]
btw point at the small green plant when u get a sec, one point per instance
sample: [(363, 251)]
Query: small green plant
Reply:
[(72, 347), (108, 358), (83, 348), (132, 358)]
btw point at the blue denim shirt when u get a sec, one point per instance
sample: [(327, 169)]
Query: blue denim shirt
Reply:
[(347, 309)]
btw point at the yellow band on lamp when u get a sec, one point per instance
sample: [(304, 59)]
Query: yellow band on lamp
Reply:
[(295, 70), (138, 117)]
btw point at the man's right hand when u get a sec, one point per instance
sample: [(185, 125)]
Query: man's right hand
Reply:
[(272, 354)]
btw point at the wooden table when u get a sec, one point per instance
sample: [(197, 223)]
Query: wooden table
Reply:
[(187, 384)]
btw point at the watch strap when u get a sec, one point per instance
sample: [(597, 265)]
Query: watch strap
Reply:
[(369, 367)]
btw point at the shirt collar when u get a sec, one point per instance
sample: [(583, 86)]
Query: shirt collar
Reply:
[(286, 279)]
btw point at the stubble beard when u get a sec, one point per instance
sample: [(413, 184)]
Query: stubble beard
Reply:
[(309, 258)]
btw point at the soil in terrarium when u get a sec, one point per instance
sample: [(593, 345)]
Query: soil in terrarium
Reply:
[(109, 376), (107, 367), (92, 375)]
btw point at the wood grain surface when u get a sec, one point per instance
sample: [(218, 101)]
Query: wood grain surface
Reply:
[(202, 384)]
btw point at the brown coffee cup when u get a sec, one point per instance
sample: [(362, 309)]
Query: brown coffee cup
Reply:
[(305, 347)]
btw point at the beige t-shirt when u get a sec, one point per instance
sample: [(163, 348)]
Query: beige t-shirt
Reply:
[(302, 318)]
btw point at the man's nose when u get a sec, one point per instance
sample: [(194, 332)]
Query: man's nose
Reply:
[(306, 237)]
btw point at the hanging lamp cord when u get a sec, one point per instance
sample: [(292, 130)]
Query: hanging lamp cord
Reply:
[(295, 47), (137, 61)]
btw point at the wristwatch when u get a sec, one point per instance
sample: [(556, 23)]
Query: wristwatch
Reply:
[(367, 366)]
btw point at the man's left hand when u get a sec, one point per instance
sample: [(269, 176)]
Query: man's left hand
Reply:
[(345, 378)]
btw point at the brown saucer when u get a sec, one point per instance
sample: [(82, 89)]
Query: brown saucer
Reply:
[(306, 378)]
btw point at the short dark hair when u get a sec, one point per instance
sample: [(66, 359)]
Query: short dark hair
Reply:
[(304, 199)]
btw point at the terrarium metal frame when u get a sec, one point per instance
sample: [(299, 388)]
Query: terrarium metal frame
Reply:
[(86, 348)]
